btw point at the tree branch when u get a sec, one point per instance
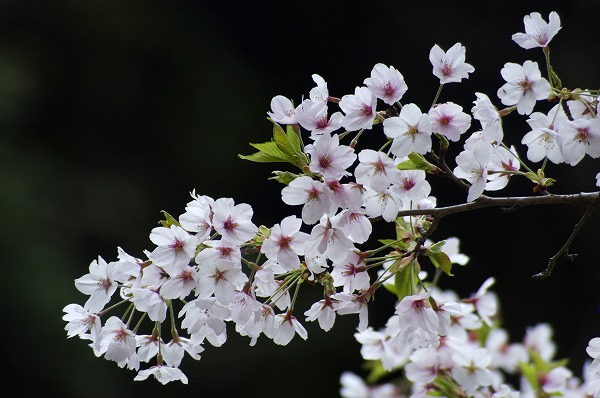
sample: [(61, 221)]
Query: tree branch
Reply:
[(512, 202), (564, 251)]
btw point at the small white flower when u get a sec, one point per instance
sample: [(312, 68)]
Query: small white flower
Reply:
[(524, 86), (411, 131), (450, 66), (330, 158), (164, 374), (376, 170), (449, 120), (538, 32), (359, 109), (282, 110), (100, 284), (386, 83)]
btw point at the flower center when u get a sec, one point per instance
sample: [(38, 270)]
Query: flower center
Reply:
[(582, 135), (525, 85), (325, 161), (366, 110), (284, 242), (230, 224)]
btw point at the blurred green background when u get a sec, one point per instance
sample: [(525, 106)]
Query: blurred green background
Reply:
[(111, 111)]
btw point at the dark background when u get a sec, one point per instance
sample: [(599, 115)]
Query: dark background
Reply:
[(111, 111)]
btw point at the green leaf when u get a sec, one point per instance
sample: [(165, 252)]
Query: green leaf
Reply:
[(169, 220), (376, 371), (294, 139), (284, 177), (282, 142), (530, 375), (405, 280), (441, 261), (267, 152), (284, 147), (416, 161)]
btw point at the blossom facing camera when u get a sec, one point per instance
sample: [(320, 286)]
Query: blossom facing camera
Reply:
[(450, 66), (524, 86), (538, 32)]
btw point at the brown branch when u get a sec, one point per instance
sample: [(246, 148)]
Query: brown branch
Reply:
[(441, 163), (564, 251), (512, 202)]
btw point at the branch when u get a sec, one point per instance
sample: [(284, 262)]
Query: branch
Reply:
[(513, 203), (564, 251)]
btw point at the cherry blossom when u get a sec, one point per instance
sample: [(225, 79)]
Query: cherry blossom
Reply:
[(524, 86), (233, 222), (542, 140), (471, 370), (80, 321), (538, 32), (320, 92), (351, 273), (502, 163), (359, 109), (282, 110), (312, 194), (330, 158), (287, 327), (578, 138), (489, 118), (411, 131), (220, 278), (286, 243), (117, 342), (412, 184), (175, 247), (198, 216), (450, 66), (323, 312), (449, 120), (375, 170), (100, 284), (150, 302), (312, 115), (164, 374), (386, 83), (327, 238), (472, 166)]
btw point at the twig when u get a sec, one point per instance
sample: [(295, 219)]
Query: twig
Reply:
[(564, 251)]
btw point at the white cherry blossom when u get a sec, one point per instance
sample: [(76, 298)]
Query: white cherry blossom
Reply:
[(449, 120), (376, 170), (538, 32), (313, 194), (386, 83), (285, 243), (282, 110), (312, 115), (359, 109), (578, 138), (524, 86), (330, 158), (450, 66), (411, 131), (100, 284)]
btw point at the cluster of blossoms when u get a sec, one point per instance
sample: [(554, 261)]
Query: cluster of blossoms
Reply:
[(212, 265)]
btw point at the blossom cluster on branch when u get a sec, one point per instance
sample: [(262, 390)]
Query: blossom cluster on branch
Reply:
[(212, 266)]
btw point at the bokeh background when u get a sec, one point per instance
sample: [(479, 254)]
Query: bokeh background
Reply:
[(111, 111)]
